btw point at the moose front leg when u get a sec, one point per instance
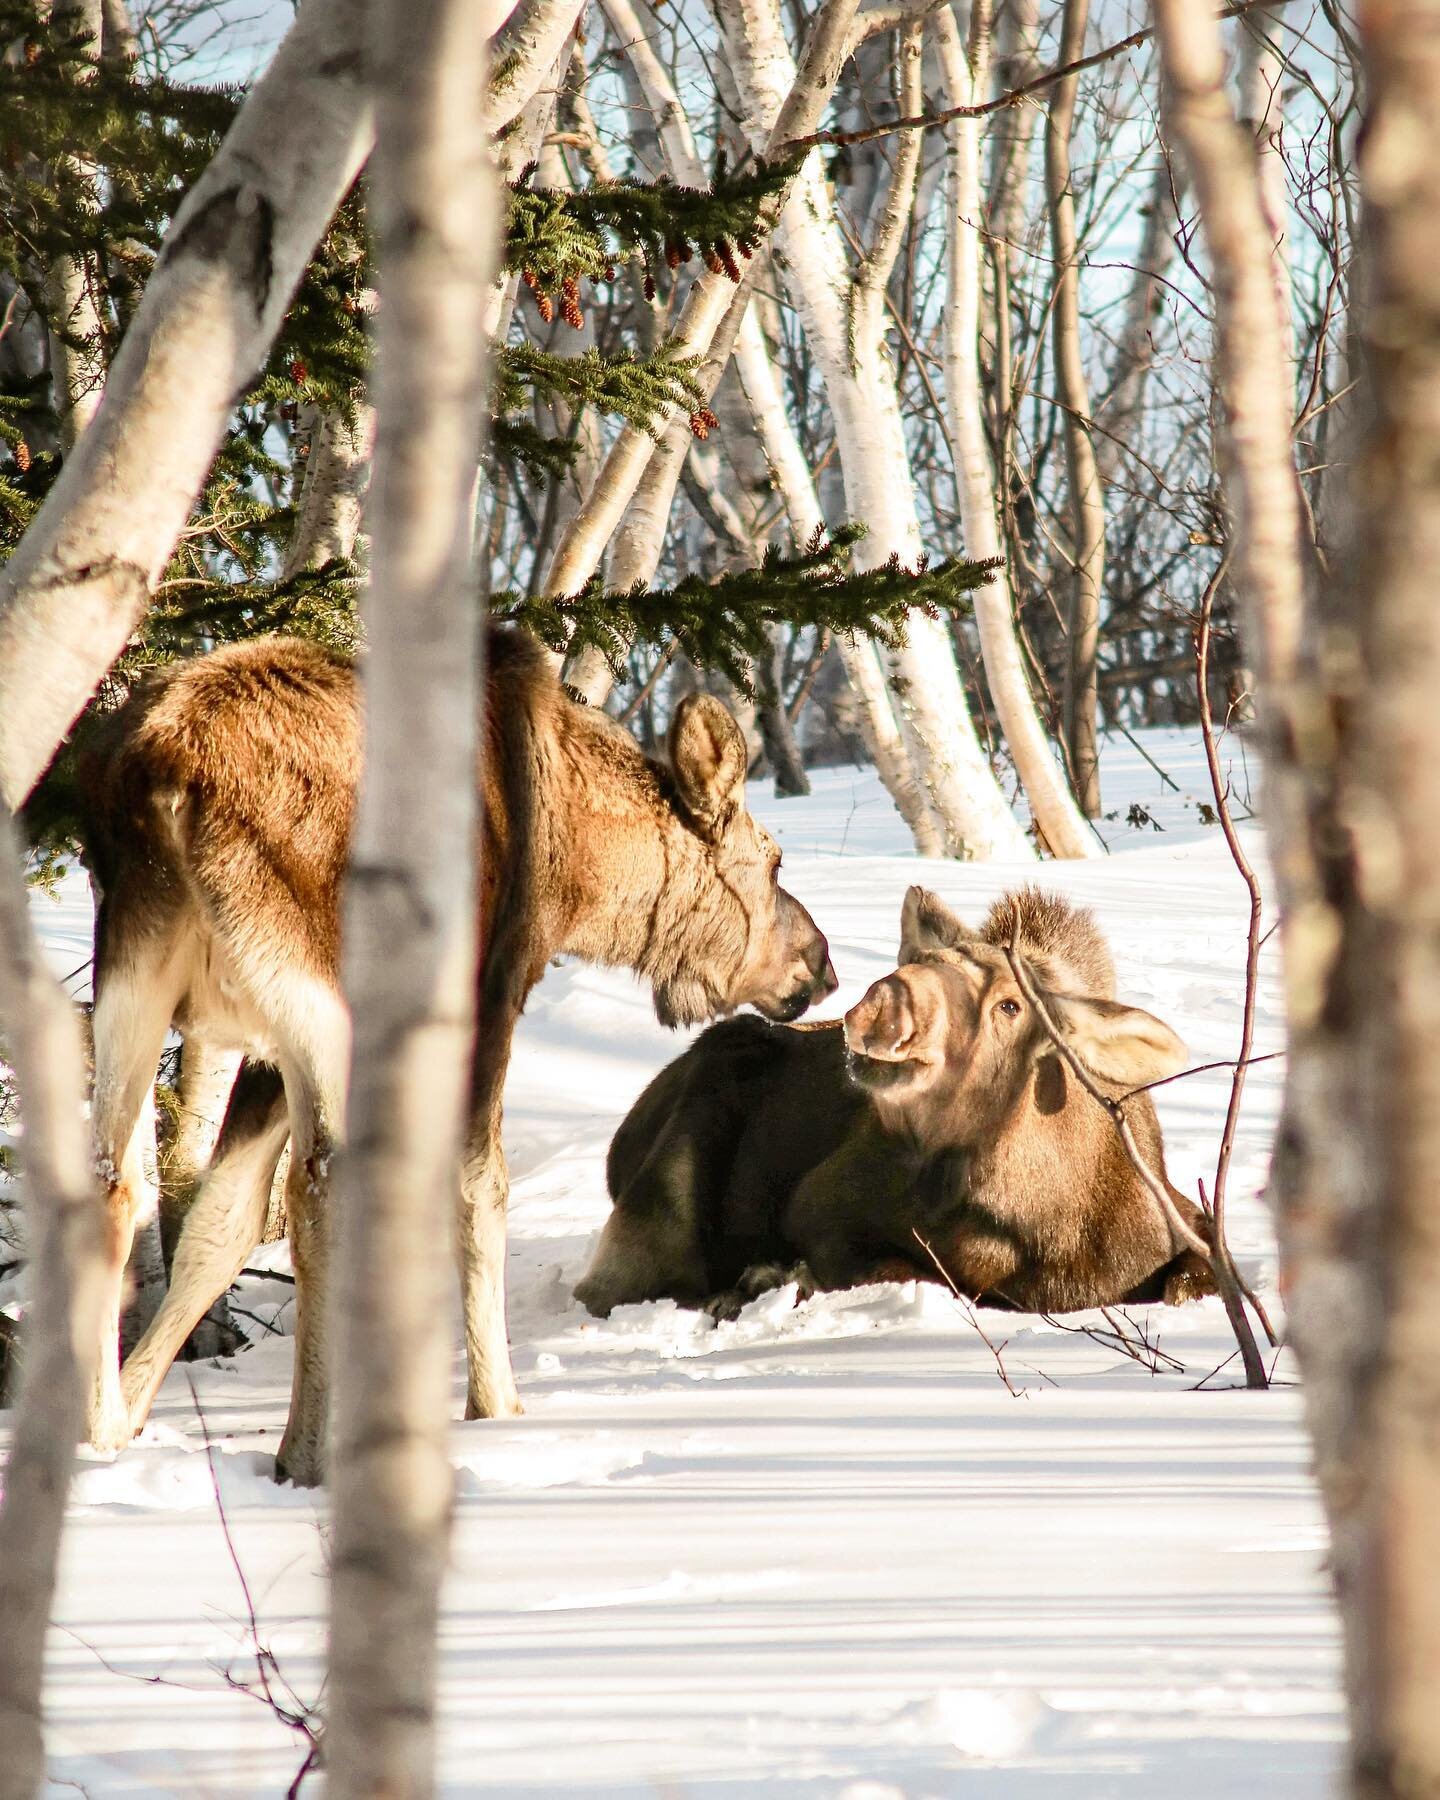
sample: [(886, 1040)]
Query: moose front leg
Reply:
[(490, 1391)]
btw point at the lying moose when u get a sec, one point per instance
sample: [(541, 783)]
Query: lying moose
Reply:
[(939, 1111)]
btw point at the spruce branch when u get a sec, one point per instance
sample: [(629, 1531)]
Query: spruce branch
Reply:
[(723, 624)]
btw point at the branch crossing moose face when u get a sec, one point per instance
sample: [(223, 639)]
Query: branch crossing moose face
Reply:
[(950, 1032)]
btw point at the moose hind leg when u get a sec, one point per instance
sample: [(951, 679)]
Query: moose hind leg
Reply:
[(221, 1228), (490, 1391), (315, 1090), (134, 1002)]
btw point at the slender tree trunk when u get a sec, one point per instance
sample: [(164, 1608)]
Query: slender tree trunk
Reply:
[(410, 909), (788, 467), (1261, 73), (1087, 497), (1012, 136), (1122, 410), (332, 494), (843, 313), (65, 1232), (1056, 815), (80, 582), (1347, 702), (77, 360), (579, 552)]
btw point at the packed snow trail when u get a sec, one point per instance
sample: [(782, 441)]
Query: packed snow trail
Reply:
[(822, 1549)]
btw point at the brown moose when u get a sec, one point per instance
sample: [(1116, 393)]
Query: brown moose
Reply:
[(939, 1111), (220, 802)]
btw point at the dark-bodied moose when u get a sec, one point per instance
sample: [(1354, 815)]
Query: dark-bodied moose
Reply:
[(936, 1134), (220, 799)]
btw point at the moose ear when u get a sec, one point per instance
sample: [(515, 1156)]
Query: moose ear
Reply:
[(1119, 1044), (927, 924), (708, 756)]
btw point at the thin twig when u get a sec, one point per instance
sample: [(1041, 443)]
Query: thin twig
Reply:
[(1014, 97), (1226, 1062), (1225, 1278), (970, 1313), (298, 1715), (1225, 1263)]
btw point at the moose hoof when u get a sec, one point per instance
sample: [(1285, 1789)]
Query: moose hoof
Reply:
[(110, 1428), (300, 1465), (502, 1406), (1189, 1279)]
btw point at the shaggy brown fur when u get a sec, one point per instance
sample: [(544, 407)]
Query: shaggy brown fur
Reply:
[(221, 803), (939, 1107)]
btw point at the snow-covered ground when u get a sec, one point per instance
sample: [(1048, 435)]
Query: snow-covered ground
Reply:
[(822, 1549)]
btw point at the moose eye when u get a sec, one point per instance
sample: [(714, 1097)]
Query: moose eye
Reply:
[(1010, 1008)]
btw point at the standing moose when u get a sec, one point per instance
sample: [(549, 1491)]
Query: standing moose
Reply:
[(220, 800)]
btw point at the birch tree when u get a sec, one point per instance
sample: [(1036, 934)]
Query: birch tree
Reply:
[(1086, 496), (66, 1242), (788, 467), (81, 581), (410, 906), (76, 353), (1056, 814), (1347, 697), (842, 308)]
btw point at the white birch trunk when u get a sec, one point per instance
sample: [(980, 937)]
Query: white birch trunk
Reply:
[(80, 582), (410, 906), (332, 494), (578, 554), (844, 324), (76, 347), (1342, 843), (1056, 814), (65, 1232), (788, 467)]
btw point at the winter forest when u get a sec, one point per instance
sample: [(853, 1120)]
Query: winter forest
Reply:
[(719, 906)]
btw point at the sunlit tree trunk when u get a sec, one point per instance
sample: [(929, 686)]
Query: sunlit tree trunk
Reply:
[(1056, 815), (842, 308), (410, 903), (81, 579), (65, 1235), (1353, 790), (1086, 496)]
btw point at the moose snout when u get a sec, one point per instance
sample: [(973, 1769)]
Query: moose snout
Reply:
[(817, 984), (882, 1025), (825, 979)]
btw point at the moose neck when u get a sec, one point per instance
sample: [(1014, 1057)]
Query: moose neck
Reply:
[(637, 873)]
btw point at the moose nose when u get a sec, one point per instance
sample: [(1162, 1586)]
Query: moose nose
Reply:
[(881, 1025)]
